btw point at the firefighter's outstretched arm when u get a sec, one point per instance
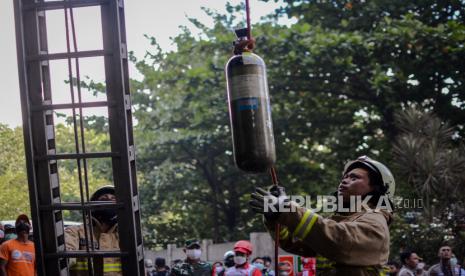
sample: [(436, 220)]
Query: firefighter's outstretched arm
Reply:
[(286, 241), (263, 200), (341, 242)]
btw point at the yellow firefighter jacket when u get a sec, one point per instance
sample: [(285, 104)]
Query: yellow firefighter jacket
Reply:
[(105, 241), (351, 243)]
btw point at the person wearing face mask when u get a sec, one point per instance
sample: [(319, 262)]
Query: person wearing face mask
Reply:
[(192, 265), (17, 256), (218, 269), (10, 232), (443, 268), (355, 239), (242, 252), (259, 263), (105, 238), (268, 266), (228, 259)]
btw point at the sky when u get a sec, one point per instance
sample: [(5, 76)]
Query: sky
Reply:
[(160, 19)]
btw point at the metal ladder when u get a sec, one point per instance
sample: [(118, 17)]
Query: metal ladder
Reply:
[(39, 135)]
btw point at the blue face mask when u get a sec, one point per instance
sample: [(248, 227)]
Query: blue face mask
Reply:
[(260, 266)]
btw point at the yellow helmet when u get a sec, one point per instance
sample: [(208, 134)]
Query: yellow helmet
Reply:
[(388, 182)]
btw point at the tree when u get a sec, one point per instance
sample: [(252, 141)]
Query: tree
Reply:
[(14, 198), (431, 164), (381, 54), (336, 82), (189, 186), (13, 174), (376, 58)]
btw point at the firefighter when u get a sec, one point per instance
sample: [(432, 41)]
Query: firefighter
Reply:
[(105, 238), (242, 252), (350, 243)]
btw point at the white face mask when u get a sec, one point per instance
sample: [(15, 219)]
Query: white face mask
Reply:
[(453, 262), (2, 234), (218, 269), (240, 260), (193, 254)]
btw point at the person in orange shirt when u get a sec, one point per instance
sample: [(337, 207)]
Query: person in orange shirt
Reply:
[(17, 256)]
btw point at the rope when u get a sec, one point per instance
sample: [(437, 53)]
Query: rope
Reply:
[(246, 45), (247, 12), (76, 137), (274, 179)]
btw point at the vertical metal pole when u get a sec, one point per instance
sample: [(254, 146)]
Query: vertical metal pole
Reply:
[(28, 143), (120, 124), (39, 137)]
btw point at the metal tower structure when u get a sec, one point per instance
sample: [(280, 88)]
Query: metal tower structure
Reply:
[(43, 159)]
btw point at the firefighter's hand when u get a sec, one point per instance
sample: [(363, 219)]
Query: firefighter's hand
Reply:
[(268, 203), (277, 190)]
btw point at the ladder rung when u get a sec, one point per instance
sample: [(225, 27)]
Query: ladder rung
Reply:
[(81, 54), (54, 5), (94, 205), (68, 106), (85, 254), (62, 156)]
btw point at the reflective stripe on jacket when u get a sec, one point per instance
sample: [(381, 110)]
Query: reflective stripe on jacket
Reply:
[(105, 241), (354, 243)]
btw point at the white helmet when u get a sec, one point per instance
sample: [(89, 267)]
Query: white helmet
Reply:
[(148, 263), (228, 254), (389, 185)]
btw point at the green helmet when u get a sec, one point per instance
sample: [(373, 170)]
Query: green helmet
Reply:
[(388, 182)]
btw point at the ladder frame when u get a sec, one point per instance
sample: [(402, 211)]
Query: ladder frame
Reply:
[(39, 135)]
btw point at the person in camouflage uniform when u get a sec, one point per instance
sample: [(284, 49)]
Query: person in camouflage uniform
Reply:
[(192, 265)]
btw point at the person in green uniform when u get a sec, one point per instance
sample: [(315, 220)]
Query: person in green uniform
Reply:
[(192, 265)]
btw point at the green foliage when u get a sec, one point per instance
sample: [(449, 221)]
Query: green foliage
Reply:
[(365, 15), (430, 167), (13, 175), (14, 198), (337, 78), (189, 186)]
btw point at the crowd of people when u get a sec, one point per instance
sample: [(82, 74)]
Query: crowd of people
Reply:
[(235, 262), (412, 265)]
